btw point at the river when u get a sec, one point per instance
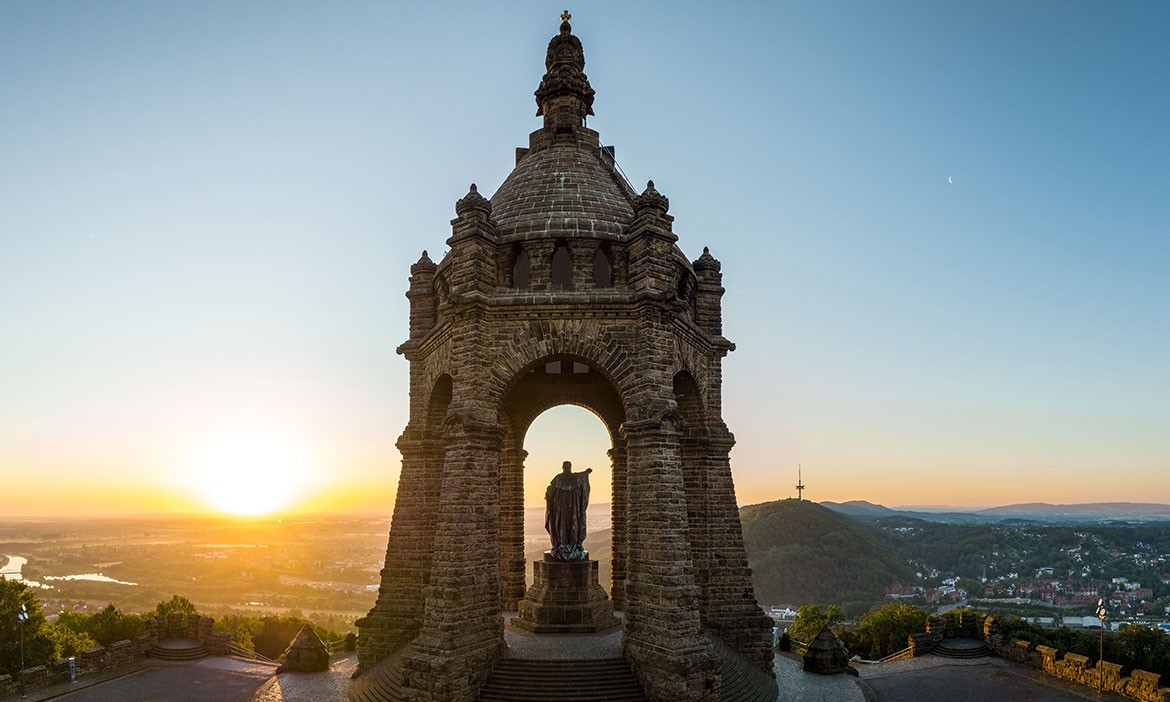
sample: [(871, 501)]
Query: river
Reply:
[(14, 570)]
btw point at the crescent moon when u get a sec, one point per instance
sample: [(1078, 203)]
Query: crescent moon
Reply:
[(950, 181)]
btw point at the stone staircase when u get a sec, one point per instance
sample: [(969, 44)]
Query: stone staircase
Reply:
[(740, 681), (601, 680), (605, 680), (178, 650), (961, 648), (382, 683)]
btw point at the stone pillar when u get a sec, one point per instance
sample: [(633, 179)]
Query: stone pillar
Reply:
[(583, 252), (663, 638), (620, 547), (512, 563), (540, 264), (729, 603), (397, 615), (462, 629)]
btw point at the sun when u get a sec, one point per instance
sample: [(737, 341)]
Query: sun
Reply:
[(249, 475)]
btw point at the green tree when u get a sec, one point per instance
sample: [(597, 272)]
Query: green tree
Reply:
[(241, 628), (177, 603), (67, 642), (810, 620), (106, 626), (40, 647), (886, 629)]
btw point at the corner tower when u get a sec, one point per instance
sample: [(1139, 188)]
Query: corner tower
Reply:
[(566, 287)]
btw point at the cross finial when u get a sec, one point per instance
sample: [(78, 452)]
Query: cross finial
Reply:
[(565, 16)]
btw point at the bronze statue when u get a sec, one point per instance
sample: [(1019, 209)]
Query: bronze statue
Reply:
[(565, 501)]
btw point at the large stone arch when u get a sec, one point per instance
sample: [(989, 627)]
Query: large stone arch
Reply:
[(537, 386), (587, 340)]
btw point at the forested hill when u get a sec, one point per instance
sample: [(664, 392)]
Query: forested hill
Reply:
[(803, 553)]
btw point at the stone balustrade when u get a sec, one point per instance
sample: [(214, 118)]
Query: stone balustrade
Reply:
[(120, 653)]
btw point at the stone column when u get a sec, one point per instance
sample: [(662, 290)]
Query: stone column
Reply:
[(397, 615), (582, 252), (729, 604), (512, 565), (462, 629), (539, 264), (621, 546), (663, 639)]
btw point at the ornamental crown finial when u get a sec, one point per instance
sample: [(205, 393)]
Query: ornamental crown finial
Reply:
[(564, 97), (651, 200), (473, 202)]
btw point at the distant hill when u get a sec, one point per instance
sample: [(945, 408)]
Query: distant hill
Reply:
[(860, 508), (1040, 512), (1090, 509), (801, 553)]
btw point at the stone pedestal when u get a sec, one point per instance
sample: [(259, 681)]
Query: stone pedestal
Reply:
[(565, 598)]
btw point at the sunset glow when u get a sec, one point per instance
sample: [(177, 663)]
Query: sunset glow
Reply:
[(944, 285), (249, 475)]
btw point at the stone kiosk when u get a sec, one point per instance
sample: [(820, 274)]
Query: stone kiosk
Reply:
[(566, 287)]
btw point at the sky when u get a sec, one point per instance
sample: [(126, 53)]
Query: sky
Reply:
[(943, 229)]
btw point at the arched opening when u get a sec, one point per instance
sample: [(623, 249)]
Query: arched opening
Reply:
[(521, 268), (568, 433), (602, 268), (560, 408), (561, 268), (439, 401)]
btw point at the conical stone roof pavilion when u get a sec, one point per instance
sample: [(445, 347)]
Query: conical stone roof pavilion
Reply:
[(306, 653)]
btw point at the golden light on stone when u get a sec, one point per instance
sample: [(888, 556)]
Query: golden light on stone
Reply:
[(565, 16)]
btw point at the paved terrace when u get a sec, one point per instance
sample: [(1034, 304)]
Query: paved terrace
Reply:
[(221, 679)]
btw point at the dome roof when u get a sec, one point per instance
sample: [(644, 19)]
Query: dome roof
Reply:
[(565, 184), (563, 190)]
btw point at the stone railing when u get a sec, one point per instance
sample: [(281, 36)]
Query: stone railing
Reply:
[(119, 653), (94, 660), (1138, 685)]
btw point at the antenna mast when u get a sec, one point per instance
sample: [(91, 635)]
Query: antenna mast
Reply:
[(799, 484)]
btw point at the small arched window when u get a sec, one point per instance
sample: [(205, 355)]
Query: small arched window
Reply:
[(521, 270), (602, 269), (561, 273)]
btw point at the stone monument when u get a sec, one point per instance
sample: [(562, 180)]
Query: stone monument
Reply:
[(567, 286), (565, 503), (566, 597)]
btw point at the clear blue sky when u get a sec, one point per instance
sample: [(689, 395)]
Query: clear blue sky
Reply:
[(208, 210)]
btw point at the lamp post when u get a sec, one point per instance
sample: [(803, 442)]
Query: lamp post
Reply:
[(21, 618), (1101, 646)]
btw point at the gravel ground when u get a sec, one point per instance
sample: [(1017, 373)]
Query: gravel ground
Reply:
[(799, 686), (328, 686)]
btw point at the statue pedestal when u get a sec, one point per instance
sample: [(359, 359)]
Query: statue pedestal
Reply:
[(565, 598)]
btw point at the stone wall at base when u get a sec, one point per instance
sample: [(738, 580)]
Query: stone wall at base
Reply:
[(94, 660), (120, 653), (1139, 685)]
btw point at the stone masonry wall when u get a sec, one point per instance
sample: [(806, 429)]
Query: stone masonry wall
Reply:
[(1139, 685), (97, 659)]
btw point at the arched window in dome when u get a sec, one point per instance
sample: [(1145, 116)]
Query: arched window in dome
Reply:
[(561, 273), (602, 268), (521, 268)]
